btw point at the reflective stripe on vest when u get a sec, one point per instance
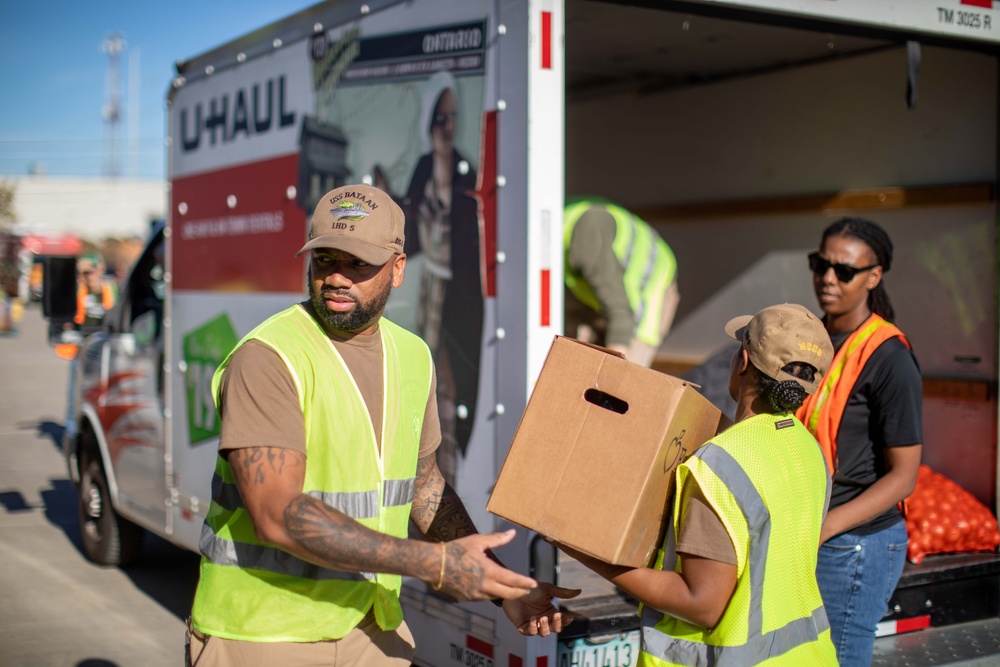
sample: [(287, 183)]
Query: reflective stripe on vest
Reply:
[(648, 262), (357, 505), (798, 632), (270, 559), (759, 645), (823, 411)]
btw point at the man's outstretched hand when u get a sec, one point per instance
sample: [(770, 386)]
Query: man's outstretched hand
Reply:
[(534, 613)]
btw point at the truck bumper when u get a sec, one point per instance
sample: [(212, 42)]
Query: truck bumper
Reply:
[(976, 643)]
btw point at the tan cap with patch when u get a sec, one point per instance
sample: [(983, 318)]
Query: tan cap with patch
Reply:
[(780, 335), (359, 219)]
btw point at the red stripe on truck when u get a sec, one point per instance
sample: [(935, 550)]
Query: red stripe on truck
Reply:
[(479, 646), (248, 246), (985, 4), (486, 196), (546, 297), (546, 40), (911, 624)]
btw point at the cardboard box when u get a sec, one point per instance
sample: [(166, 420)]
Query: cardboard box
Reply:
[(592, 462)]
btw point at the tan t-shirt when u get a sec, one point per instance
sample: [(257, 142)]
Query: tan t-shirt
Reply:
[(702, 532), (260, 405)]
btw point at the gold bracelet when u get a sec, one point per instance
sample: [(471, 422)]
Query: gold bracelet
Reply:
[(440, 582)]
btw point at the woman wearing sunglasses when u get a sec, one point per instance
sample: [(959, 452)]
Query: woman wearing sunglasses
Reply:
[(866, 416)]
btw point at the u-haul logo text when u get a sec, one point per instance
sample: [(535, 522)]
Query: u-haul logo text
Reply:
[(253, 110)]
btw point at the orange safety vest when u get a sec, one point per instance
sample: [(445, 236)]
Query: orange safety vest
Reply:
[(823, 411), (107, 300)]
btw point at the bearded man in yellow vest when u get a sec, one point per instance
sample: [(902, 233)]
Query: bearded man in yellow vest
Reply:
[(620, 279), (735, 582), (327, 452)]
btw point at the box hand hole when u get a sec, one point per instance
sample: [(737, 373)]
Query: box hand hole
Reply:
[(606, 401)]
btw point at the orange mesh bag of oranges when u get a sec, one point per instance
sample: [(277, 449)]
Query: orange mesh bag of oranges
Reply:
[(942, 517)]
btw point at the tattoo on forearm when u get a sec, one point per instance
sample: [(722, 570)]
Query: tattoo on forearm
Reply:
[(337, 541), (426, 493), (451, 520), (323, 535), (437, 510), (256, 463)]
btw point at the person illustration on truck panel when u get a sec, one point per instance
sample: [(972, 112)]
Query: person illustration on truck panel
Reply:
[(442, 225), (867, 416), (617, 266), (735, 581), (327, 453)]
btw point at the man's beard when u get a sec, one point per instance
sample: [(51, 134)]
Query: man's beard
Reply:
[(362, 316)]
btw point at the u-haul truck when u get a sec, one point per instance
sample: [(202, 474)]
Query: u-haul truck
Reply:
[(739, 128)]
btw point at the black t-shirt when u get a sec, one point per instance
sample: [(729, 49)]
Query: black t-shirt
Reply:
[(884, 410)]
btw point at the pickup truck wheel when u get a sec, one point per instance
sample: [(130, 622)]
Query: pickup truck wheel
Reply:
[(108, 539)]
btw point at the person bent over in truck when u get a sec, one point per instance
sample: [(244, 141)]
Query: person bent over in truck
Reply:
[(621, 279), (327, 452), (735, 581)]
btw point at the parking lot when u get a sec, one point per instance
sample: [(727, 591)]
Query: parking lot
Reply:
[(61, 610)]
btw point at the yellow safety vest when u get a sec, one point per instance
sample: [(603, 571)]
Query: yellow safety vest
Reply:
[(766, 479), (648, 262), (253, 591)]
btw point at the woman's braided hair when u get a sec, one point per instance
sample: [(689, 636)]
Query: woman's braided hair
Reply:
[(786, 395), (875, 238)]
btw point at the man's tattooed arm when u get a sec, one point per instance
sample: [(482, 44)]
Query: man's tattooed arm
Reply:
[(440, 514), (270, 480), (437, 510)]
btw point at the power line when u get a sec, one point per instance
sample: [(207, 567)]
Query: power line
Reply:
[(54, 140)]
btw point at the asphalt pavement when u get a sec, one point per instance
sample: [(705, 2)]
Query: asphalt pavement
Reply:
[(59, 609)]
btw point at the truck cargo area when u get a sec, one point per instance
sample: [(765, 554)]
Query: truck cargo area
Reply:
[(740, 140)]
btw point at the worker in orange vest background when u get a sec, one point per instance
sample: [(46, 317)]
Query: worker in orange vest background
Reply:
[(95, 296), (96, 292)]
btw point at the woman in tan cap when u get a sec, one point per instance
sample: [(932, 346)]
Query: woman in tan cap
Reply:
[(867, 417), (735, 581)]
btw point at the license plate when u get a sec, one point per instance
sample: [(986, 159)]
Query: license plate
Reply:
[(615, 651)]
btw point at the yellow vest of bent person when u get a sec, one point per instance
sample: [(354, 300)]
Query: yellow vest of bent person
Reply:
[(766, 478), (253, 591), (648, 262)]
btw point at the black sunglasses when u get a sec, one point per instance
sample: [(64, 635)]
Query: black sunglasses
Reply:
[(844, 272)]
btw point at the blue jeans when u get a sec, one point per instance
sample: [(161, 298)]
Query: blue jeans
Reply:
[(857, 575)]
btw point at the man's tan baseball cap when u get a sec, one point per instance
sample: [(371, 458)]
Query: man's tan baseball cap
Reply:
[(779, 335), (359, 219)]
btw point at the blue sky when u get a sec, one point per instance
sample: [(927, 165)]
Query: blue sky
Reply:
[(53, 75)]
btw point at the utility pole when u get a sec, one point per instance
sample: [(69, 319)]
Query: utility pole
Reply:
[(133, 112), (112, 46)]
